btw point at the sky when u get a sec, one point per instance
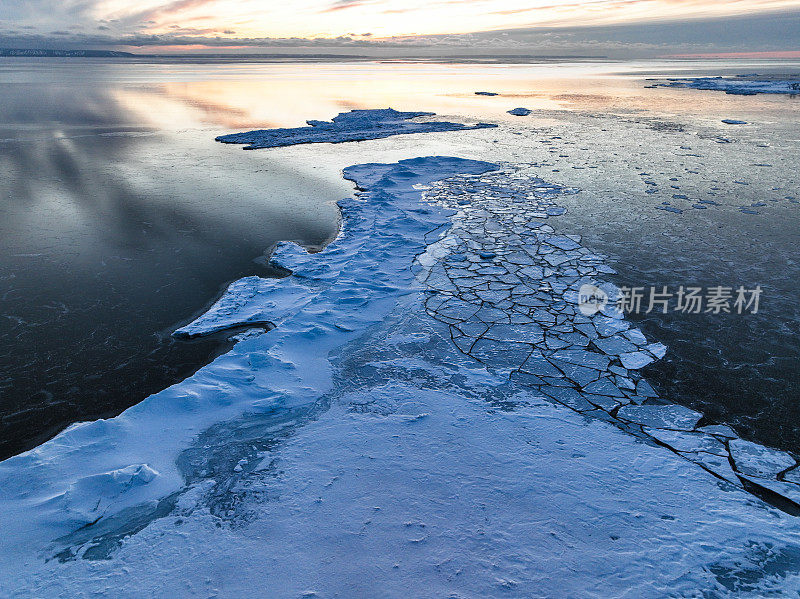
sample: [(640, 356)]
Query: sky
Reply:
[(402, 27)]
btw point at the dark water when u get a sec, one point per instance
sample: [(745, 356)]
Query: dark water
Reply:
[(738, 369), (113, 232)]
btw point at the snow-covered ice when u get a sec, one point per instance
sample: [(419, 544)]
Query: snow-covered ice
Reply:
[(356, 125), (431, 416), (737, 85)]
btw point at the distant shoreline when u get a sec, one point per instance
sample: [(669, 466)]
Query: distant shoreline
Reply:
[(273, 57)]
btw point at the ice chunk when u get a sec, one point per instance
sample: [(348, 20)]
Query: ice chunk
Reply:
[(670, 416), (753, 459), (737, 86), (670, 209), (635, 360), (614, 346), (582, 358), (688, 441), (720, 430)]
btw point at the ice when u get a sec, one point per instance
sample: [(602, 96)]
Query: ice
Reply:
[(752, 459), (356, 125), (689, 441), (658, 350), (733, 122), (350, 448), (614, 345), (582, 358), (668, 416), (520, 111), (89, 498), (737, 85), (670, 209), (608, 326), (238, 307), (635, 360), (720, 430), (793, 476), (485, 94)]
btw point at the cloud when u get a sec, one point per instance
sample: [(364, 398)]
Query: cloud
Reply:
[(166, 10), (184, 23), (345, 4)]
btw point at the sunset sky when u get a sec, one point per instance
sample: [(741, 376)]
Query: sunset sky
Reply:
[(379, 25)]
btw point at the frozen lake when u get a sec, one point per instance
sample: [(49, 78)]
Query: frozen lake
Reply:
[(121, 218)]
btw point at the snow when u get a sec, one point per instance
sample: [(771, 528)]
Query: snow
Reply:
[(422, 421), (356, 125)]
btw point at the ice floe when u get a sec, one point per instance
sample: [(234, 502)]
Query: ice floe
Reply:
[(736, 85), (416, 399), (356, 125)]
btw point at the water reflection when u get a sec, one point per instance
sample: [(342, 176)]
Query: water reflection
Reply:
[(112, 231)]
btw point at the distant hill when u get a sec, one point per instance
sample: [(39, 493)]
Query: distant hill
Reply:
[(64, 53)]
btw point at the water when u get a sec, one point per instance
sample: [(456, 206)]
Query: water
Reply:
[(113, 231), (121, 218)]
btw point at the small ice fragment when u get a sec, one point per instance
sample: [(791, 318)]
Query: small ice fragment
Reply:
[(721, 430), (635, 360), (520, 111), (670, 209), (636, 336), (733, 122), (614, 346)]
